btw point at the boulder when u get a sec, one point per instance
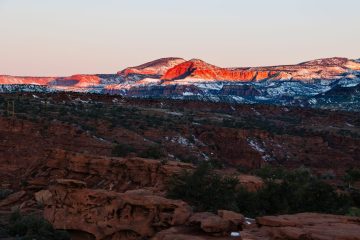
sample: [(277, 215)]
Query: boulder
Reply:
[(208, 222), (42, 196), (236, 220)]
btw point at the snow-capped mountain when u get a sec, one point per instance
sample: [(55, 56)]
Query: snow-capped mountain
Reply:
[(314, 83)]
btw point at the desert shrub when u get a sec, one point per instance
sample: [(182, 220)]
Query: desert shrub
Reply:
[(188, 158), (4, 193), (86, 127), (122, 150), (354, 212), (270, 173), (204, 189), (153, 152), (33, 227), (247, 202), (351, 176), (216, 163), (355, 196)]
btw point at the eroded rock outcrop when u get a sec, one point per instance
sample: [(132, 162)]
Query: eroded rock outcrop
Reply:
[(110, 215), (118, 174)]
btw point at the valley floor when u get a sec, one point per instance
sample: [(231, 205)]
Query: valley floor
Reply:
[(108, 167)]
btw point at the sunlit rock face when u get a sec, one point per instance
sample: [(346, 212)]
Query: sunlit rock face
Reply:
[(199, 69), (156, 68), (80, 80), (329, 68), (5, 79)]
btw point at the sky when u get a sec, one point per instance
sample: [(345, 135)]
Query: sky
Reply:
[(60, 38)]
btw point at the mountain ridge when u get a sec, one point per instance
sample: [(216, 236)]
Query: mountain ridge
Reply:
[(300, 84), (170, 69)]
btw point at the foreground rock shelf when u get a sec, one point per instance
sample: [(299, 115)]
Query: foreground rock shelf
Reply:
[(135, 214)]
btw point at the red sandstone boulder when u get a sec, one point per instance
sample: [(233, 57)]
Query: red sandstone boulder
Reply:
[(43, 196), (236, 220), (210, 222), (224, 223)]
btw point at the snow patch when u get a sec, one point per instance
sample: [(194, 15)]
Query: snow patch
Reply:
[(180, 140), (259, 147), (188, 94)]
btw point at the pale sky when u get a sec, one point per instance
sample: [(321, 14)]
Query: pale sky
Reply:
[(64, 37)]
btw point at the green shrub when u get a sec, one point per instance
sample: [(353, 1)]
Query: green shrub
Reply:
[(270, 173), (188, 158), (122, 150), (4, 193), (351, 176), (354, 212), (33, 227), (204, 189), (299, 191), (153, 152)]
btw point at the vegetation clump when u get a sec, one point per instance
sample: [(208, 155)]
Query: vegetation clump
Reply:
[(122, 150), (204, 189), (4, 193), (33, 227), (284, 192), (153, 152)]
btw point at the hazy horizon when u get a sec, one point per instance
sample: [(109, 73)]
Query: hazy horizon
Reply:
[(59, 38)]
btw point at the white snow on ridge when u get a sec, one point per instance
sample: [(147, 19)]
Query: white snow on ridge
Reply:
[(238, 98), (295, 88), (188, 94), (349, 82), (259, 147), (148, 81), (312, 101), (210, 86)]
